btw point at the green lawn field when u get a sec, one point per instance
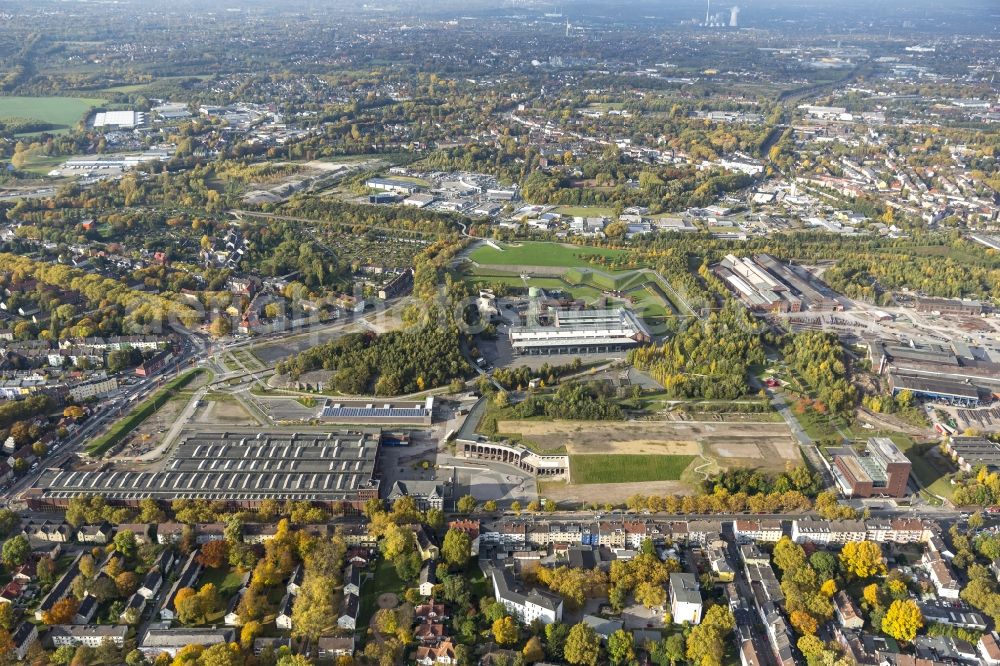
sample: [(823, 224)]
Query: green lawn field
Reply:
[(483, 277), (583, 285), (586, 293), (599, 468), (384, 580), (62, 112), (227, 581), (419, 182), (585, 211), (540, 254), (42, 164), (931, 469)]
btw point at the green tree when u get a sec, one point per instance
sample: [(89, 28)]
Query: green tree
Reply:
[(555, 640), (673, 648), (9, 520), (706, 642), (825, 563), (495, 611), (455, 590), (583, 645), (314, 611), (466, 504), (135, 658), (621, 647), (63, 654), (456, 548), (126, 544), (15, 551), (46, 570)]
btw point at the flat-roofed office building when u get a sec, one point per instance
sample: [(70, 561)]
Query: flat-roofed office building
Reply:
[(884, 470)]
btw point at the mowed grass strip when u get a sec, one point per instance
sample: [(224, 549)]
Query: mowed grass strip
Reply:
[(540, 254), (61, 112), (599, 468)]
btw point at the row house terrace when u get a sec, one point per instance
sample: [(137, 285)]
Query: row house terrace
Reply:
[(613, 534)]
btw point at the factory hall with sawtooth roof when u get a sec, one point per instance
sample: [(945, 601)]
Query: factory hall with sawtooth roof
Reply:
[(242, 470)]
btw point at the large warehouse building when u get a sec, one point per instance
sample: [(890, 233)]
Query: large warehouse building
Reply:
[(882, 471), (949, 391), (971, 452), (242, 470), (378, 413), (950, 306), (956, 373), (581, 332), (119, 119)]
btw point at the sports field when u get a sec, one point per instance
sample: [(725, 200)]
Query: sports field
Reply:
[(419, 182), (585, 211), (596, 468), (540, 254), (62, 112)]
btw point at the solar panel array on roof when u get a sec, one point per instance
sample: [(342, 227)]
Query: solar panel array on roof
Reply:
[(373, 412)]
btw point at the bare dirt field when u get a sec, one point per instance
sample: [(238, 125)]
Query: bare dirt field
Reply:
[(222, 412), (148, 434), (603, 436), (613, 493), (761, 445)]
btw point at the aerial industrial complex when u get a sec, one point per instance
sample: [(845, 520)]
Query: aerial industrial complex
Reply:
[(764, 284), (957, 373), (242, 470)]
